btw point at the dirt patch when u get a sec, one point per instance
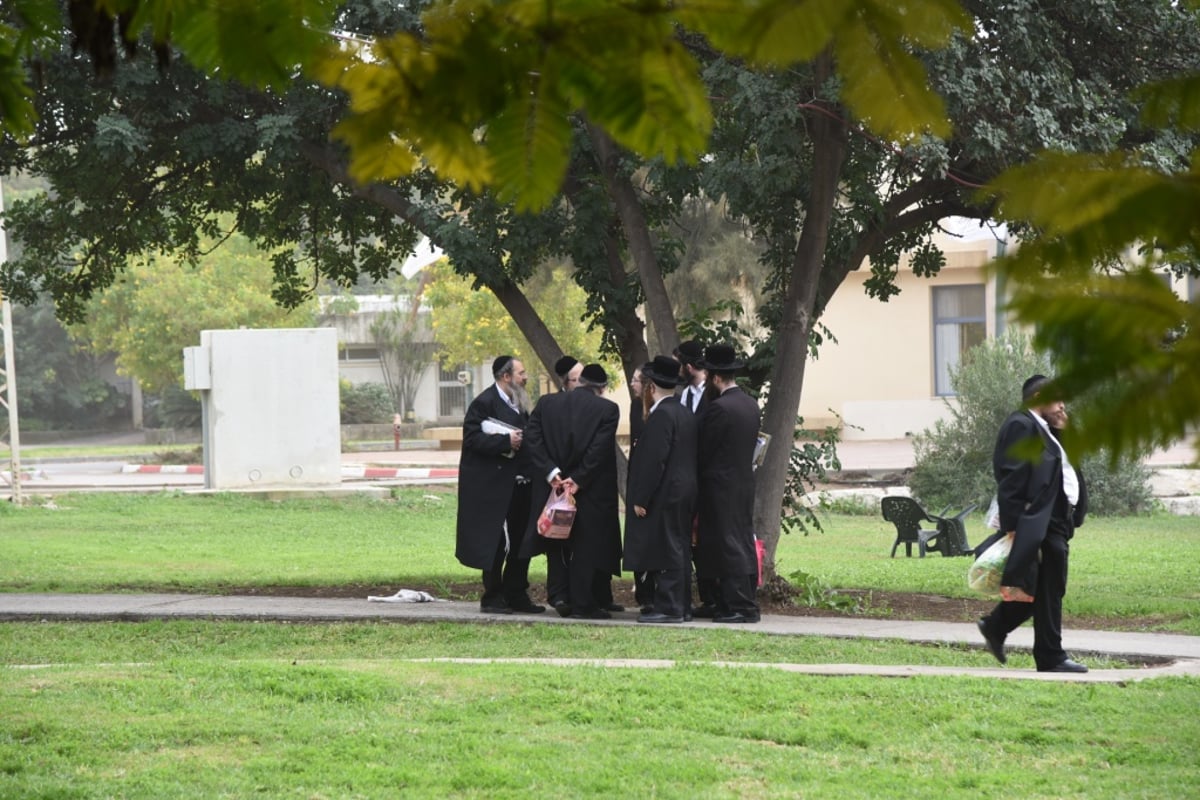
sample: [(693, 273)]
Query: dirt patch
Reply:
[(859, 603)]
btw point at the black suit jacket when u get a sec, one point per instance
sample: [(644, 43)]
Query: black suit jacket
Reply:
[(662, 480), (727, 435), (486, 476), (576, 432), (1029, 479)]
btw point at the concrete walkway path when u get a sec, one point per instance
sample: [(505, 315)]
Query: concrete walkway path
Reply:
[(1170, 654)]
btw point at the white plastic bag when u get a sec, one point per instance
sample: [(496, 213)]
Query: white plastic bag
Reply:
[(992, 517), (985, 574)]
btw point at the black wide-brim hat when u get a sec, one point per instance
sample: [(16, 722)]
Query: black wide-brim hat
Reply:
[(663, 370), (689, 352), (720, 358)]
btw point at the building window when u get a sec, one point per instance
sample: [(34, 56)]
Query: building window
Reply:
[(453, 395), (959, 323), (1193, 285), (359, 353)]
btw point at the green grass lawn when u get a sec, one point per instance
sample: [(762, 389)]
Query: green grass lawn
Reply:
[(188, 709), (1121, 568)]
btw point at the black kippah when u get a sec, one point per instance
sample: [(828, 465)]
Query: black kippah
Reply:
[(1032, 386), (564, 365), (595, 375), (500, 363)]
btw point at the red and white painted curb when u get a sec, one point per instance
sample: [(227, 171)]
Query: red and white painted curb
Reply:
[(173, 469), (348, 471)]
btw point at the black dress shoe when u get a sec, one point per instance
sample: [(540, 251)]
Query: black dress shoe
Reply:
[(735, 617), (495, 609), (528, 607), (1066, 665), (614, 607), (995, 644), (596, 613), (647, 609), (704, 612), (654, 616), (563, 608)]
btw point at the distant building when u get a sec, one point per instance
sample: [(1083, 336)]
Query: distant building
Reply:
[(442, 394)]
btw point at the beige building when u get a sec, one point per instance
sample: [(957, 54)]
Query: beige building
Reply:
[(888, 373)]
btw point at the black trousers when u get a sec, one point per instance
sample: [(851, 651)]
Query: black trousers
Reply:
[(507, 582), (643, 588), (672, 594), (575, 581), (739, 595), (1046, 608), (708, 590)]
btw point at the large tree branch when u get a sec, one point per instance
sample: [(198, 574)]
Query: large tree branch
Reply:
[(508, 293), (869, 243), (637, 234)]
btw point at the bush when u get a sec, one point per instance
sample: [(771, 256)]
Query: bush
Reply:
[(173, 408), (954, 458), (365, 403)]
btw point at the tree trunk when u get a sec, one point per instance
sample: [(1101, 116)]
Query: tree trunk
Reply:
[(545, 346), (637, 234), (791, 357)]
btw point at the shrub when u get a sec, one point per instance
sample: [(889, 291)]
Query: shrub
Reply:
[(365, 403), (173, 408), (954, 458)]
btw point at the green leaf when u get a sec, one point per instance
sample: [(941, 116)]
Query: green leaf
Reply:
[(776, 32), (259, 42), (374, 154), (1175, 101), (1129, 335), (17, 114), (530, 143), (886, 86), (1095, 207)]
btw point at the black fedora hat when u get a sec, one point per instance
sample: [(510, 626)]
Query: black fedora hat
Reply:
[(689, 352), (720, 358), (663, 370)]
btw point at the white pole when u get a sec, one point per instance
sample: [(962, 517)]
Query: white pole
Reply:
[(10, 377)]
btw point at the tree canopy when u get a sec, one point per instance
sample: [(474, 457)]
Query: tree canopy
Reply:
[(159, 306), (839, 133)]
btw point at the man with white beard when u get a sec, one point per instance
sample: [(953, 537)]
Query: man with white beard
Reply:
[(494, 487)]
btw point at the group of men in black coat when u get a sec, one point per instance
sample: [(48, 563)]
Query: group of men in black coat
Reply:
[(689, 493)]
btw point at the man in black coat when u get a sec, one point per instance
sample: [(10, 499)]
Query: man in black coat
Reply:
[(567, 370), (494, 488), (572, 442), (694, 378), (661, 494), (694, 396), (725, 545), (1042, 499)]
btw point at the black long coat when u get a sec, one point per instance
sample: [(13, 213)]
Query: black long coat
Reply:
[(486, 476), (576, 432), (662, 480), (1026, 492), (727, 436)]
